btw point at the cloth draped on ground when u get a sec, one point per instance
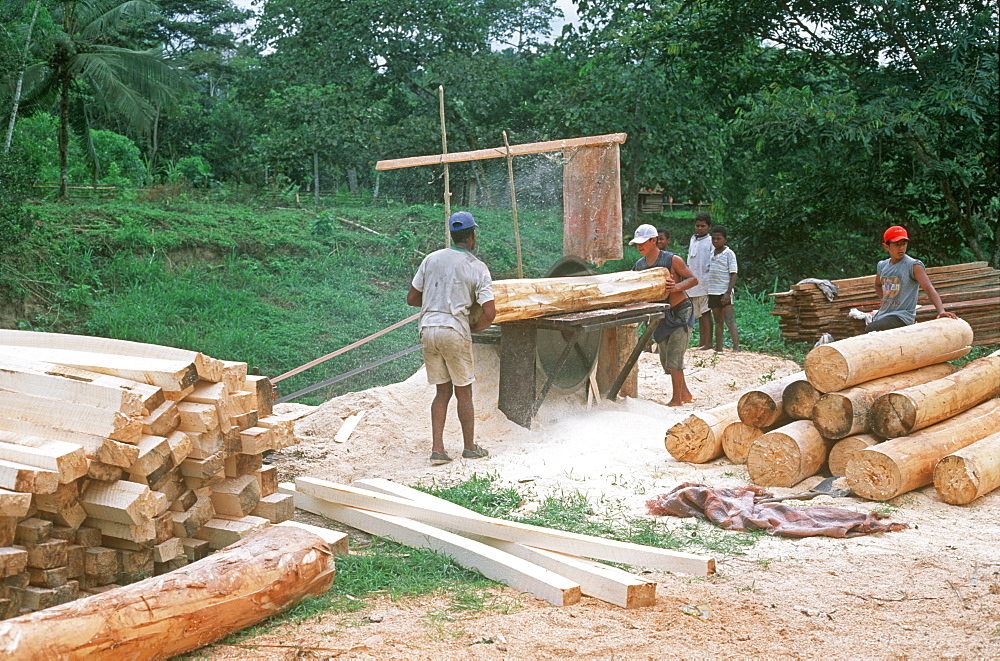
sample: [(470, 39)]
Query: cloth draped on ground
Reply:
[(738, 509)]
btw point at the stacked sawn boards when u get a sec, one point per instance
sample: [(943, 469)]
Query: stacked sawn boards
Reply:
[(854, 394), (550, 564), (120, 460), (971, 291)]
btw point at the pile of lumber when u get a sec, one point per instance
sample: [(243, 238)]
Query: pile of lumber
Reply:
[(552, 565), (121, 460), (971, 291), (943, 423)]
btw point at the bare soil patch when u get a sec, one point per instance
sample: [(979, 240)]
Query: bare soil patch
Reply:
[(930, 591)]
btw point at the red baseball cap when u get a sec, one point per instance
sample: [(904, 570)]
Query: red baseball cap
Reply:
[(895, 233)]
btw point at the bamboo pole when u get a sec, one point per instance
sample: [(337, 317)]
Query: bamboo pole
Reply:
[(447, 180), (513, 206)]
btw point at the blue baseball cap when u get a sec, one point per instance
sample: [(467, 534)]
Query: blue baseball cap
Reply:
[(462, 220)]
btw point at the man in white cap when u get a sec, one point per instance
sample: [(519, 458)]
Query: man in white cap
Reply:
[(673, 333), (447, 284)]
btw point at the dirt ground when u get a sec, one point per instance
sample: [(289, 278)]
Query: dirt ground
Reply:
[(930, 591)]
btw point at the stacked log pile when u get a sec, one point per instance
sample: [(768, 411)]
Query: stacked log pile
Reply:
[(971, 291), (550, 564), (121, 460), (944, 424)]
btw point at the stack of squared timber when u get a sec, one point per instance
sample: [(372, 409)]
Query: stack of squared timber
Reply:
[(943, 423), (971, 291), (121, 460), (552, 565)]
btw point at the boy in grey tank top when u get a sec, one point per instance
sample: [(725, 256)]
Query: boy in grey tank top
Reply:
[(897, 281)]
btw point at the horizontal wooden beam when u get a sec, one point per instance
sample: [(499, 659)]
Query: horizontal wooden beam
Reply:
[(491, 562), (512, 531), (501, 152)]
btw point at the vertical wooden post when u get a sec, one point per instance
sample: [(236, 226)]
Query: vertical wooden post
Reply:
[(513, 206), (316, 177), (447, 183)]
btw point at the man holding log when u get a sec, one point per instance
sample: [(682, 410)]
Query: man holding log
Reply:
[(447, 285), (673, 333), (897, 280)]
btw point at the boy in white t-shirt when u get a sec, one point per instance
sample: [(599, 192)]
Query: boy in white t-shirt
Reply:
[(699, 256), (721, 283)]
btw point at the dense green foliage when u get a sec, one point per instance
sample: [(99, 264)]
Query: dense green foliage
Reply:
[(808, 125)]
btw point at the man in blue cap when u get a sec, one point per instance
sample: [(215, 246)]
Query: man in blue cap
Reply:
[(447, 284)]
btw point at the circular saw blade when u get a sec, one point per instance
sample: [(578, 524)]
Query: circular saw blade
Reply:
[(550, 344)]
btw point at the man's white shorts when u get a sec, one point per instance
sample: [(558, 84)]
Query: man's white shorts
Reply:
[(447, 355)]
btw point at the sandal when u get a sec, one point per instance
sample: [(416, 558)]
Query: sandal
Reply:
[(476, 453), (439, 458)]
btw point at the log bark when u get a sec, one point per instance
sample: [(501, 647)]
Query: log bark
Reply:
[(786, 456), (838, 365), (845, 448), (903, 464), (528, 298), (183, 610), (737, 439), (840, 414), (918, 406), (799, 398), (973, 471), (763, 406), (698, 438)]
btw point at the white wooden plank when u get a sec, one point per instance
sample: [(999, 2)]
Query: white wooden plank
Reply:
[(209, 369), (546, 538), (348, 427), (72, 385), (609, 584), (490, 562), (167, 374), (70, 416), (67, 459)]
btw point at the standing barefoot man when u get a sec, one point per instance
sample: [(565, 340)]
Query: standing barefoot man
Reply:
[(447, 284), (673, 333)]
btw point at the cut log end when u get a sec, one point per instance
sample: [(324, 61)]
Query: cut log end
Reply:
[(846, 448), (833, 415), (757, 409), (893, 415), (686, 440), (827, 369), (956, 480), (799, 399), (775, 463), (737, 439), (873, 475)]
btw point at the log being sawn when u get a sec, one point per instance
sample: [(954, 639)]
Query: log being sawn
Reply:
[(528, 298)]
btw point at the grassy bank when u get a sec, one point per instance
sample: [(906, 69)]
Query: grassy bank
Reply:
[(275, 287)]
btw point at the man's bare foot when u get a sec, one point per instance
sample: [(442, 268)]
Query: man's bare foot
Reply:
[(689, 398), (703, 349), (673, 403)]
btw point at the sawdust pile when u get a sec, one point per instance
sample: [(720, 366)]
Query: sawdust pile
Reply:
[(930, 591)]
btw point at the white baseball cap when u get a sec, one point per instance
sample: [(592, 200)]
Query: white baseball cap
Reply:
[(643, 233)]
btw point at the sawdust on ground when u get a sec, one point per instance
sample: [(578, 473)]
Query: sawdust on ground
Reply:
[(930, 591)]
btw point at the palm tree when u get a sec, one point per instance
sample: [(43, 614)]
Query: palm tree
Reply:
[(81, 58)]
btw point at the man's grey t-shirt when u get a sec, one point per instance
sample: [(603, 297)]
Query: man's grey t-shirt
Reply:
[(451, 280), (899, 289)]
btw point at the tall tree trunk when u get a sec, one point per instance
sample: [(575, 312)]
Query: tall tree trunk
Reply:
[(64, 136), (20, 80)]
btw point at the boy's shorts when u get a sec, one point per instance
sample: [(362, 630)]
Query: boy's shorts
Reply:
[(447, 355), (700, 304), (672, 349), (715, 301)]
